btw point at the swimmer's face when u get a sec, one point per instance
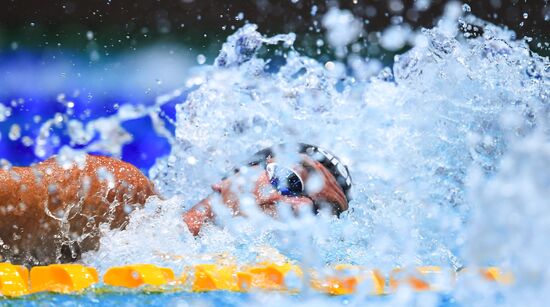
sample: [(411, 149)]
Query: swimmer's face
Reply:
[(320, 187)]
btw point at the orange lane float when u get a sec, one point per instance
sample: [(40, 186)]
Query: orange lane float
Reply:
[(62, 278), (496, 274), (341, 279), (211, 277), (345, 279), (267, 276), (420, 278), (137, 275), (14, 280)]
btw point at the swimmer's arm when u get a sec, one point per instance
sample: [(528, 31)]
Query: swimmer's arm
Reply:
[(198, 215), (35, 201)]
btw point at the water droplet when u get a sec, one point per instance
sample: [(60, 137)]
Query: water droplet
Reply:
[(15, 132), (58, 117), (396, 6), (27, 141), (60, 97), (201, 59), (90, 35), (314, 10), (466, 8), (5, 112), (40, 152), (525, 15), (192, 160)]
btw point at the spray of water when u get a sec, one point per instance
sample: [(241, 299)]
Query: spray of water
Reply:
[(410, 136), (448, 151)]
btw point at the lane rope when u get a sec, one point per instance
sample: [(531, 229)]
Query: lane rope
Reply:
[(342, 279)]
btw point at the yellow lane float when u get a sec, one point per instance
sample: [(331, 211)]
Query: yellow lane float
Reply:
[(496, 274), (422, 278), (210, 277), (345, 279), (137, 275), (267, 276), (341, 279), (62, 278), (14, 280)]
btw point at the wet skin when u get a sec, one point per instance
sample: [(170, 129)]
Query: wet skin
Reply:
[(44, 208), (267, 197)]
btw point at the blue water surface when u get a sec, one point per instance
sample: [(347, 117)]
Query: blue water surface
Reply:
[(217, 298), (31, 88)]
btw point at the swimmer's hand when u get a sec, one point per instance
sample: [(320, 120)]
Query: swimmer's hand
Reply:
[(266, 197)]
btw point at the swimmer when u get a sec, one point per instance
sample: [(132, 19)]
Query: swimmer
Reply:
[(51, 214), (276, 183)]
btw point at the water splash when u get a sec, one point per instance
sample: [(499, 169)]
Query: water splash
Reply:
[(411, 136), (514, 236), (342, 29)]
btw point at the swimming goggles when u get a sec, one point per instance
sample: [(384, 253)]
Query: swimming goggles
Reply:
[(288, 182), (285, 180), (327, 159)]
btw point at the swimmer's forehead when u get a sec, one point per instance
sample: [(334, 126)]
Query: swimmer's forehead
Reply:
[(292, 155), (287, 155)]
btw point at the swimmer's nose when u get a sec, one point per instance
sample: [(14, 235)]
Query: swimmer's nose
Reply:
[(298, 204), (296, 201), (217, 187)]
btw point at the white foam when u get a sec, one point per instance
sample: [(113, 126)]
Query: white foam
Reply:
[(410, 137)]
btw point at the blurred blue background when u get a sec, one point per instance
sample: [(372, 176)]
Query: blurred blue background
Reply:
[(36, 85), (99, 55)]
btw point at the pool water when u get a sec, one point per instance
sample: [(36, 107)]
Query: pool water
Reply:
[(204, 299), (449, 150)]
